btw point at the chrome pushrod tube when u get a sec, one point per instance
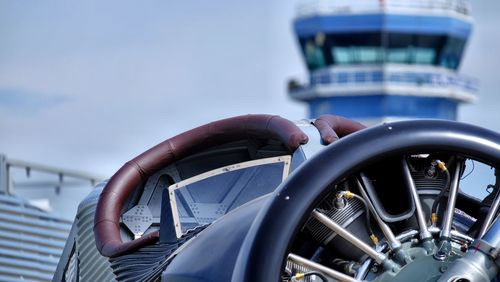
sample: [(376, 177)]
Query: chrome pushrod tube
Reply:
[(452, 198), (490, 216), (378, 257), (422, 224), (492, 236), (321, 268), (389, 235), (455, 235)]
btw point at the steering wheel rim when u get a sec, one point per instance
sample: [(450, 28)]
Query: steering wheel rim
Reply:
[(262, 255)]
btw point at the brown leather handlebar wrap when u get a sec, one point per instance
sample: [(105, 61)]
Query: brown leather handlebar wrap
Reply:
[(331, 127), (130, 175)]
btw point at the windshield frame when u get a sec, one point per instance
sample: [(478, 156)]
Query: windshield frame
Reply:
[(285, 159)]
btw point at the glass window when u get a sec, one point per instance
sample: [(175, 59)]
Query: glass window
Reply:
[(362, 48), (428, 48), (203, 198), (424, 56), (375, 47), (357, 55), (342, 55), (413, 48), (314, 56), (398, 55), (452, 53), (369, 55), (313, 49)]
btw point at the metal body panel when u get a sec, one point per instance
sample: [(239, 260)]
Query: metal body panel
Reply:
[(212, 254), (89, 265)]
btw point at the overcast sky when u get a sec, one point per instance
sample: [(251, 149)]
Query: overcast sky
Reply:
[(88, 85)]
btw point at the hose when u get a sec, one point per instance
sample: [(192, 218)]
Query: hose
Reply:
[(438, 199), (348, 195)]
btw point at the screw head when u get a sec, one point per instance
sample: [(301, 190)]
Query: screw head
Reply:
[(441, 256)]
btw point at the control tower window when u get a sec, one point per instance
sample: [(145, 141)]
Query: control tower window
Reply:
[(452, 53), (375, 48), (314, 56), (348, 49), (314, 51), (413, 48)]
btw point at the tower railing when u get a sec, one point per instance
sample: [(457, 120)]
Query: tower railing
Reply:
[(361, 77), (326, 7)]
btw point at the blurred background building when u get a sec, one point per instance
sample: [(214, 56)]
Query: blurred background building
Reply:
[(34, 223), (377, 61)]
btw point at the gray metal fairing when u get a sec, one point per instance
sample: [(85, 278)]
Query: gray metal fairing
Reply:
[(211, 255), (92, 266)]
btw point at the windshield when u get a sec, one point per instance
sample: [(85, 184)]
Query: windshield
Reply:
[(203, 198)]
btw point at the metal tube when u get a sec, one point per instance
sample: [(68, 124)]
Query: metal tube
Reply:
[(363, 269), (407, 235), (393, 242), (492, 236), (321, 268), (452, 197), (489, 217), (378, 257), (457, 236), (422, 224)]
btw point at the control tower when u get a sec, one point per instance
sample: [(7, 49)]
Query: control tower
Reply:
[(375, 60)]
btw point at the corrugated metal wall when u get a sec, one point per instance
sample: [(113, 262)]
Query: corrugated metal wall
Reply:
[(92, 266), (31, 241), (80, 260)]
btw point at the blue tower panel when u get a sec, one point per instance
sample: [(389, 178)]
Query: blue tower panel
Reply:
[(384, 64), (306, 27), (378, 106)]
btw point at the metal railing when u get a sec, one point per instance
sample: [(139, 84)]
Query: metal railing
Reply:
[(6, 165), (418, 78), (367, 76), (324, 7)]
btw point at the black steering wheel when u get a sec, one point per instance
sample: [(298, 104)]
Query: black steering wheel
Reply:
[(264, 251)]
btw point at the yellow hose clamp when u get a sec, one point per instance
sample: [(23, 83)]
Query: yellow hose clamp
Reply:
[(374, 239), (348, 195), (434, 218), (442, 166), (299, 275)]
